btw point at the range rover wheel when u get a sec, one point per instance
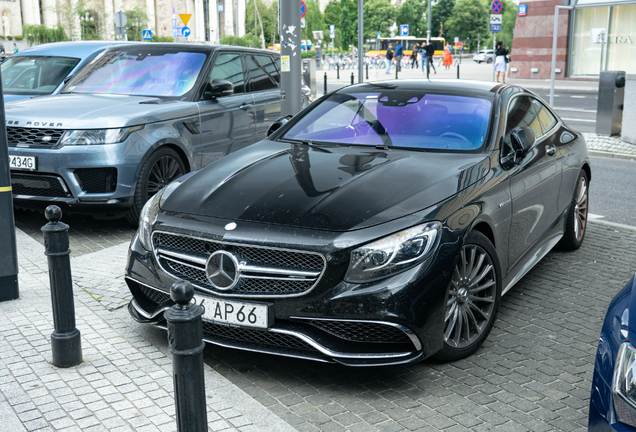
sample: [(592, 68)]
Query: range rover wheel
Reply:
[(577, 216), (163, 166), (472, 298)]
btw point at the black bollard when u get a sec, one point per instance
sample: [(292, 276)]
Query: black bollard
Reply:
[(185, 343), (458, 71), (367, 66), (325, 92), (351, 78), (337, 70), (66, 342), (396, 71)]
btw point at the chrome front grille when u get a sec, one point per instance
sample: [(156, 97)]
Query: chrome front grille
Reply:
[(264, 272)]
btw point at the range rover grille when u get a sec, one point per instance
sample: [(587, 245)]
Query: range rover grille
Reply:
[(38, 185), (33, 137), (265, 272)]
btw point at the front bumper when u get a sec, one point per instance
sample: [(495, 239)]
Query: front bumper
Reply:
[(394, 321), (88, 176)]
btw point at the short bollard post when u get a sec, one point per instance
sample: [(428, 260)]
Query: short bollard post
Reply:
[(396, 71), (338, 70), (325, 91), (351, 78), (458, 71), (185, 343), (367, 70), (66, 342)]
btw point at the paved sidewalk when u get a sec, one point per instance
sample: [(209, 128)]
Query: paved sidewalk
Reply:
[(125, 380)]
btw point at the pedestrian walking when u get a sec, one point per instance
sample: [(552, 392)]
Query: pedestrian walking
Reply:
[(448, 57), (15, 48), (389, 58), (501, 58), (399, 53), (1, 49), (429, 50), (415, 52)]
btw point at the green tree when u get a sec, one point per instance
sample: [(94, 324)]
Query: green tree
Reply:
[(470, 18), (379, 15), (348, 24), (332, 16), (412, 13), (440, 14), (267, 15), (39, 34), (313, 20), (249, 40), (137, 22), (509, 19)]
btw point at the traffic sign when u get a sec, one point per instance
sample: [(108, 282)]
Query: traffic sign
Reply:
[(147, 34), (303, 8), (185, 18), (495, 27), (332, 31), (186, 31), (523, 10), (495, 19), (404, 30), (220, 7), (379, 36), (496, 6), (177, 32), (120, 19)]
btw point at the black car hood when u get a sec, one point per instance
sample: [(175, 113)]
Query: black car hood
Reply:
[(336, 188)]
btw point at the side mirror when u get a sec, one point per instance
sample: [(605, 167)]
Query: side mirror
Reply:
[(218, 88), (522, 140), (278, 124), (68, 78)]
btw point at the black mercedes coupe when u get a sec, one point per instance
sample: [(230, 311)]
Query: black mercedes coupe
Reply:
[(379, 226)]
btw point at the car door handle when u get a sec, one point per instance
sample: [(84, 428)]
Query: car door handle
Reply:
[(550, 150), (246, 106)]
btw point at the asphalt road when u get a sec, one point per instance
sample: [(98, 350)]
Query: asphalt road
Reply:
[(613, 190)]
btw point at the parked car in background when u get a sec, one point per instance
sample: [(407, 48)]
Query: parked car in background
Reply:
[(613, 398), (136, 118), (487, 56), (40, 70), (380, 226)]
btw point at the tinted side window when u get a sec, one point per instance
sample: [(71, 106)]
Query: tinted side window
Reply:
[(261, 70), (228, 67), (522, 112)]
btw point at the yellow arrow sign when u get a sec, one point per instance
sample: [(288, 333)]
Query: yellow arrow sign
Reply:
[(185, 18)]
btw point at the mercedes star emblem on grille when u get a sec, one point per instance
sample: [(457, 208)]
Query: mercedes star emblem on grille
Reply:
[(222, 270)]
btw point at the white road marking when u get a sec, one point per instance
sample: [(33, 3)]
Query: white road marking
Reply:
[(579, 97), (578, 120), (573, 109), (594, 216)]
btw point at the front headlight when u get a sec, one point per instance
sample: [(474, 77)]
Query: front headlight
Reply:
[(97, 136), (624, 385), (392, 254), (146, 219)]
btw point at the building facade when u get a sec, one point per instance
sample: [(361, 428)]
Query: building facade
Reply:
[(97, 16), (596, 35)]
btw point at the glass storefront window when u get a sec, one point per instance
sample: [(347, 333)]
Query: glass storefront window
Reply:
[(586, 56), (621, 53)]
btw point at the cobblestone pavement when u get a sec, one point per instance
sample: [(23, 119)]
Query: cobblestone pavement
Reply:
[(532, 374), (609, 146)]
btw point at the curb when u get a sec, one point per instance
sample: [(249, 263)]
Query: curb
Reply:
[(607, 154), (613, 224)]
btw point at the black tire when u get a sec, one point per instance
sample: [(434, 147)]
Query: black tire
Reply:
[(489, 61), (472, 298), (163, 166), (576, 222)]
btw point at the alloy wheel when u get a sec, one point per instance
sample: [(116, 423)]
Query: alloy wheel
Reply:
[(471, 298), (580, 208), (165, 169)]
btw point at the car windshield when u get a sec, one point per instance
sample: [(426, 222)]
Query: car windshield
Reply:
[(396, 118), (35, 75), (140, 71)]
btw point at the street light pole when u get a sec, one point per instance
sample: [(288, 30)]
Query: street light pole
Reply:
[(360, 39), (290, 55), (567, 5), (429, 16)]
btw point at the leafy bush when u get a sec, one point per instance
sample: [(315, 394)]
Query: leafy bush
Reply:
[(248, 40), (156, 38), (9, 37), (39, 34), (19, 37)]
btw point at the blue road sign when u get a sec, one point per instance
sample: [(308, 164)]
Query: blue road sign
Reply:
[(523, 10), (379, 36), (404, 30), (332, 31), (147, 34), (177, 32), (495, 27), (186, 31)]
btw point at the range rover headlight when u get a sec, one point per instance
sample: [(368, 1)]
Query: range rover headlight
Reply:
[(393, 254), (97, 136), (624, 385)]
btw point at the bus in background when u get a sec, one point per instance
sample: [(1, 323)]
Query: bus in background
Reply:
[(408, 42)]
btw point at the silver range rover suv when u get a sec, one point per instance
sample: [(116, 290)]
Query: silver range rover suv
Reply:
[(135, 118)]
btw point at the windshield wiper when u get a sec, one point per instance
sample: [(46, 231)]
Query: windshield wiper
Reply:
[(308, 143)]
